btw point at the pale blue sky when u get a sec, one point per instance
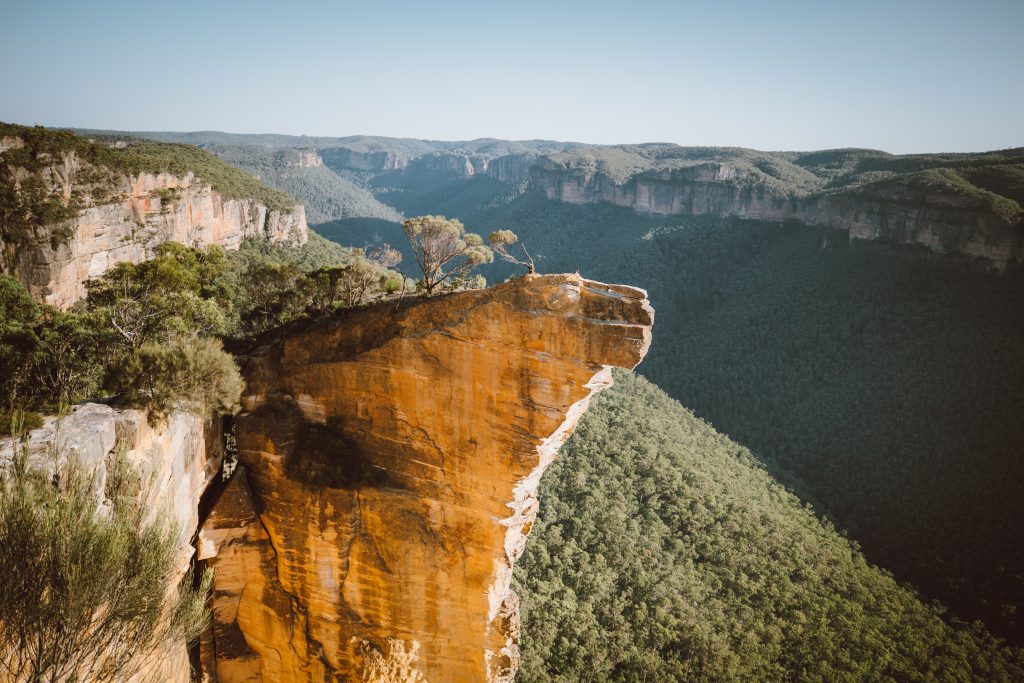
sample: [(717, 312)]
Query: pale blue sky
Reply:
[(902, 75)]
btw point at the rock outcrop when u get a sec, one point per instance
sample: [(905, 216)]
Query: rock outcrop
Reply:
[(389, 464), (343, 157), (702, 189), (946, 223), (172, 464), (151, 209)]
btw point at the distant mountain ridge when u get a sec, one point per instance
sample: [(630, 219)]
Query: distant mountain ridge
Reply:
[(969, 203)]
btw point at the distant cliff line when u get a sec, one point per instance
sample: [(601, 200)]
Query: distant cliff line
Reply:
[(966, 203)]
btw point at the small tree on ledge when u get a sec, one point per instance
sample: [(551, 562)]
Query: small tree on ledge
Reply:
[(501, 240), (439, 242)]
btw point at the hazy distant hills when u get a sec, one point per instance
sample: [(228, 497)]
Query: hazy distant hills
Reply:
[(966, 203)]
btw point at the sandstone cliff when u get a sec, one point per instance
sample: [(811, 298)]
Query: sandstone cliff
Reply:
[(697, 190), (363, 160), (389, 463), (947, 220), (153, 209), (173, 464), (902, 213), (111, 215)]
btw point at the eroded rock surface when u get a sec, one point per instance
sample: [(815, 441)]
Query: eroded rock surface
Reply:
[(388, 481), (55, 261), (899, 211)]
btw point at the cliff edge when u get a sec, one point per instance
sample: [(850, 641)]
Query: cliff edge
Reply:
[(389, 464)]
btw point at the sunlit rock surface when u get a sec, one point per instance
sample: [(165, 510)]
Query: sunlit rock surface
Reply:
[(389, 463)]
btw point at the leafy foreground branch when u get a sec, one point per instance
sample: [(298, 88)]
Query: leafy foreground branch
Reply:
[(87, 594)]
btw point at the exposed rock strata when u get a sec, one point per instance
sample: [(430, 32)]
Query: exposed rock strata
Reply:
[(152, 209), (343, 157), (173, 464), (944, 223), (391, 463), (948, 223), (702, 189)]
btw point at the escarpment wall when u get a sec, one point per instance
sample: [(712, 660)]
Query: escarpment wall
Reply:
[(171, 464), (948, 223), (704, 189), (389, 464), (943, 223), (152, 209)]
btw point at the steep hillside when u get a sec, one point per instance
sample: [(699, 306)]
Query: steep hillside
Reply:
[(71, 207), (663, 551), (301, 173)]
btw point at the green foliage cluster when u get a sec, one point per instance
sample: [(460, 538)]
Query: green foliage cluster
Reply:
[(148, 332), (194, 375), (15, 421), (277, 284), (48, 358), (665, 552), (28, 200), (444, 252), (87, 594)]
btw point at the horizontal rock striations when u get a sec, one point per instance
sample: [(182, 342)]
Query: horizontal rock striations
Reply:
[(389, 463), (153, 210), (946, 220), (966, 204)]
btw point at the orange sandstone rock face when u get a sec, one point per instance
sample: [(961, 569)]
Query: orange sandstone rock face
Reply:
[(388, 480)]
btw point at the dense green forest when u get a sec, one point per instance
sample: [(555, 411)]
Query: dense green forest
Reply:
[(664, 551)]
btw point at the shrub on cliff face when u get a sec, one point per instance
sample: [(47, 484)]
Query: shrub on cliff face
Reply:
[(179, 291), (193, 374), (84, 593)]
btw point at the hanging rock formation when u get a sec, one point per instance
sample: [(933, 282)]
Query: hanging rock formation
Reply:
[(389, 464)]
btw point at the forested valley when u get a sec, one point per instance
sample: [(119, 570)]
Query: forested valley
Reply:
[(665, 551), (880, 382)]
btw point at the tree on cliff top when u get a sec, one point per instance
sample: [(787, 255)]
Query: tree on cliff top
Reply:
[(501, 240), (439, 242)]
